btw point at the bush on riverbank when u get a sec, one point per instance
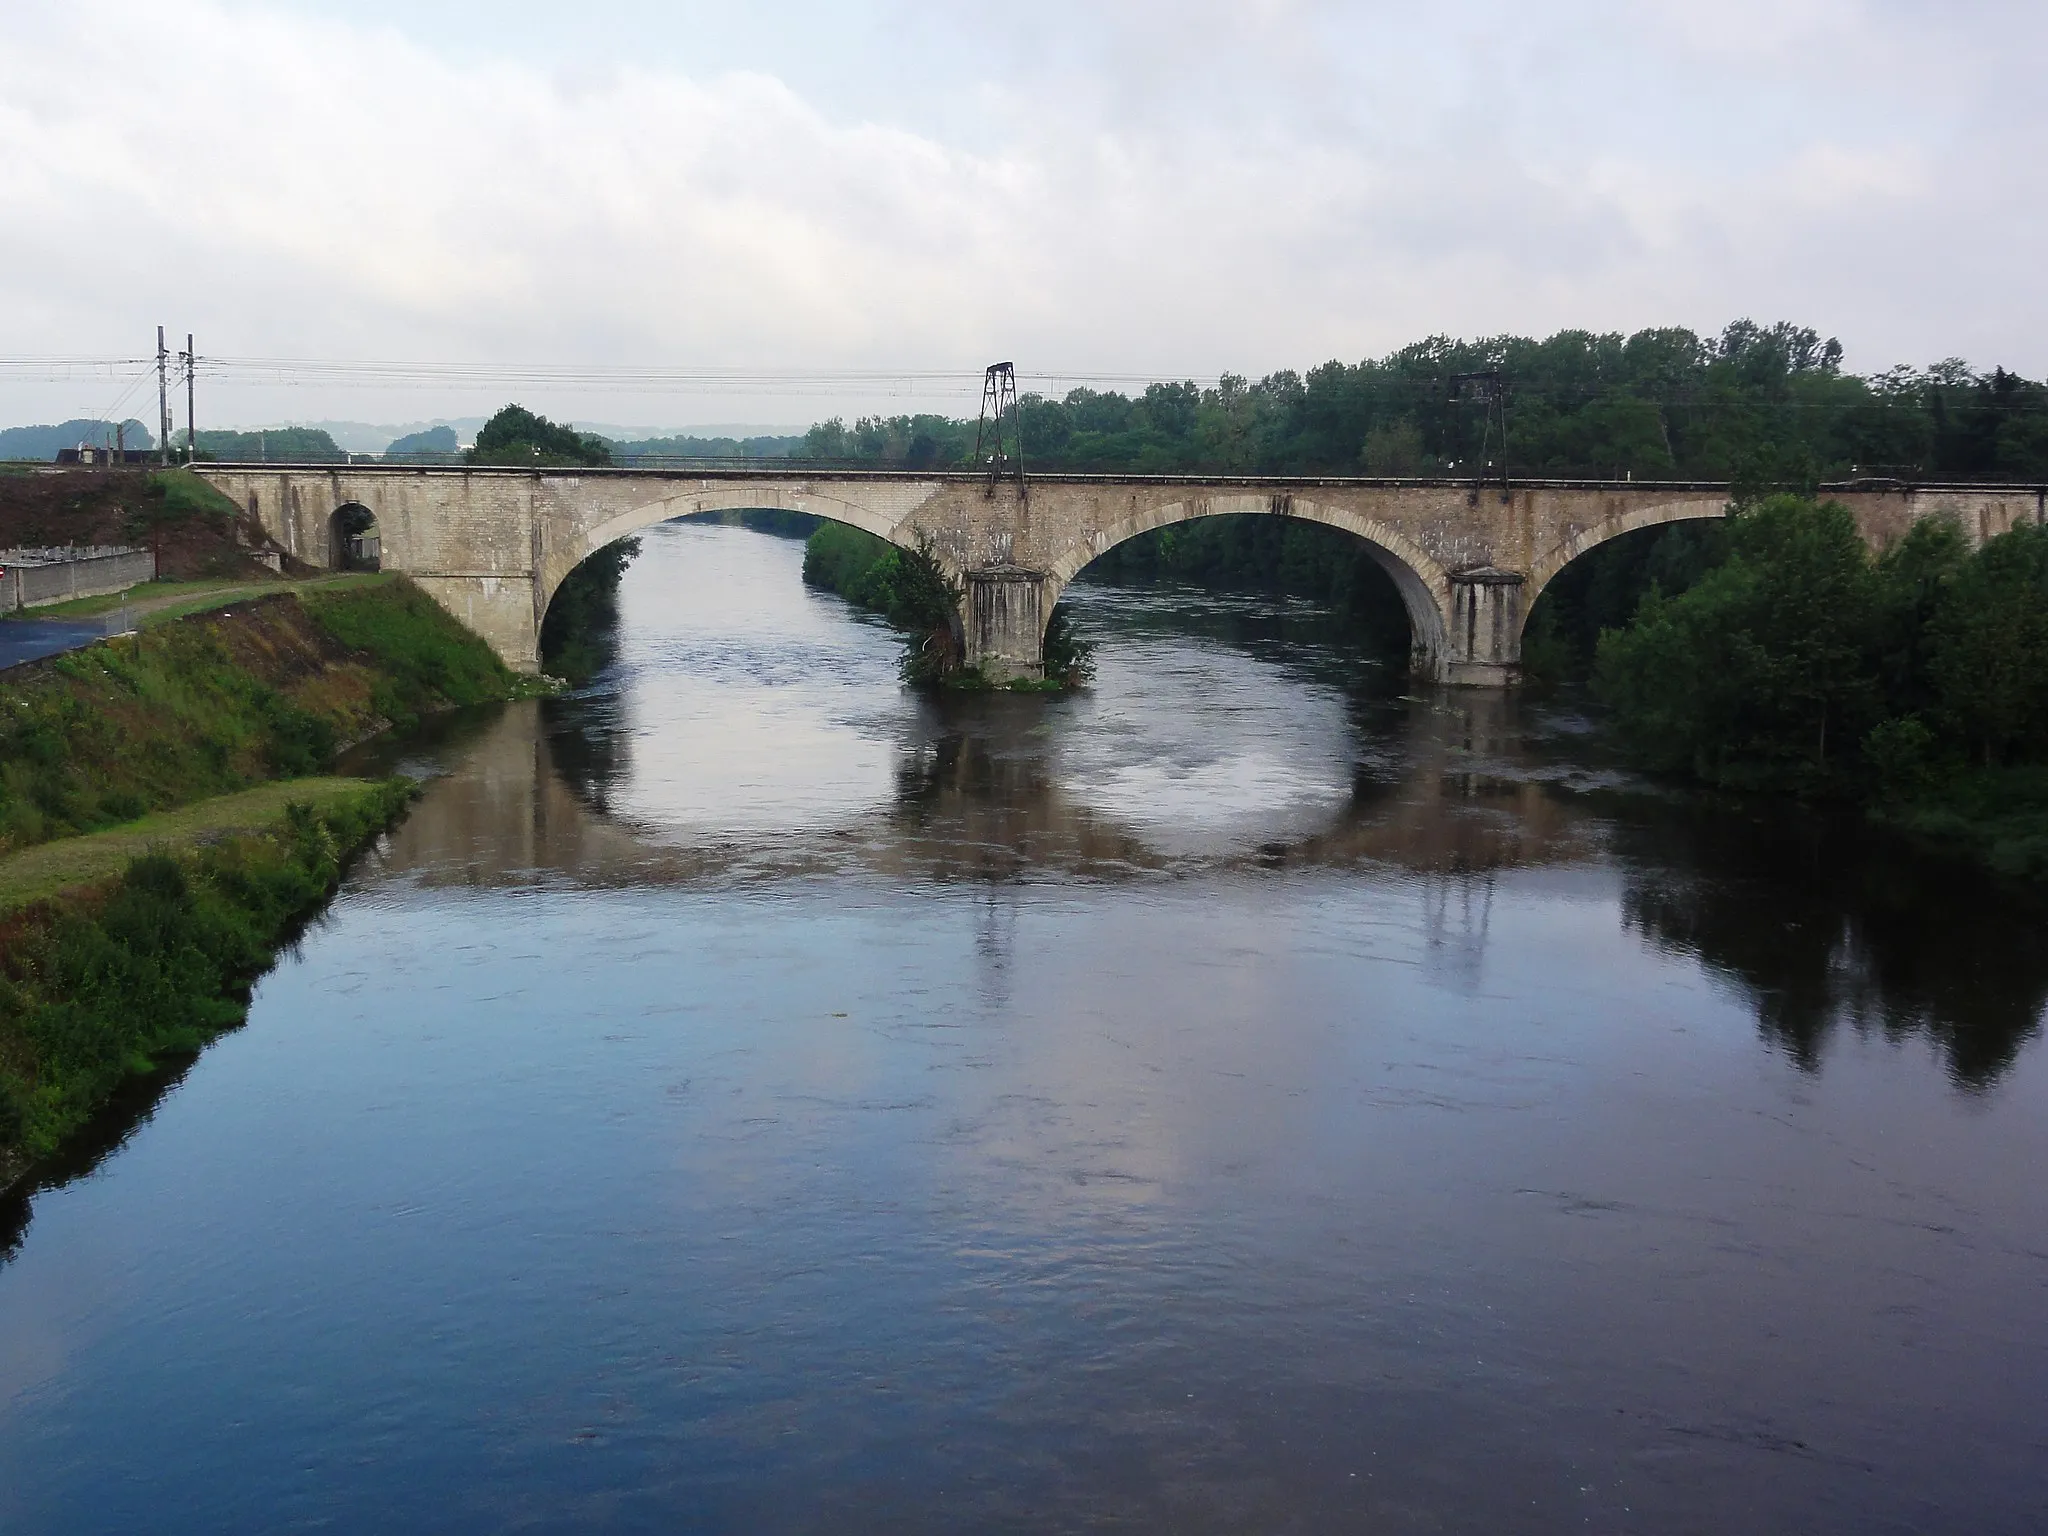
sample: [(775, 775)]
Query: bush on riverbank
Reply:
[(221, 701), (1916, 681), (105, 983), (905, 586)]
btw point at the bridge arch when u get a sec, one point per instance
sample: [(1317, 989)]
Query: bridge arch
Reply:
[(683, 503), (1551, 563), (1424, 585)]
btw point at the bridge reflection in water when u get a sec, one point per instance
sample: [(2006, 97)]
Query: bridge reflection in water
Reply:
[(977, 796), (1821, 925), (747, 1076)]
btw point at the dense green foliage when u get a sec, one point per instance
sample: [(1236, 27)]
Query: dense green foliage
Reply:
[(1763, 406), (626, 452), (777, 521), (1602, 589), (436, 445), (1068, 655), (1918, 680), (1271, 554), (578, 638), (99, 986), (516, 436), (906, 587), (44, 442), (272, 445), (220, 702)]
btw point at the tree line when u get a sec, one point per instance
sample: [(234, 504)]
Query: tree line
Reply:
[(1763, 406)]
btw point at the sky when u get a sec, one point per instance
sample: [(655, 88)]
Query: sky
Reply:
[(795, 210)]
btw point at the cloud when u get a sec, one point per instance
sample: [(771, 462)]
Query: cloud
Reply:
[(1143, 187)]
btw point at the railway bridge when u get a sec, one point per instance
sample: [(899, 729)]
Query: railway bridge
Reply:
[(494, 544)]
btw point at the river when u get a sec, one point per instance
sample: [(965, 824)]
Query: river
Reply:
[(1244, 1096)]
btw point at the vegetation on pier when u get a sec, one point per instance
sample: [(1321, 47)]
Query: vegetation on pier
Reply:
[(905, 587), (909, 589)]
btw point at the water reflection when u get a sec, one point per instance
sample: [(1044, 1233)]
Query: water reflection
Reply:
[(1821, 924), (1825, 925), (919, 1128)]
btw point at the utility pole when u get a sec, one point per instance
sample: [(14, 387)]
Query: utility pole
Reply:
[(163, 400), (999, 405), (191, 433), (1489, 389)]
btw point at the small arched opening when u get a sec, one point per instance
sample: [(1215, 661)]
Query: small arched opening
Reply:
[(353, 540)]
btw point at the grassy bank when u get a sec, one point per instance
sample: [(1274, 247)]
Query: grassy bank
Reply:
[(111, 978), (163, 828), (221, 702), (1997, 816), (153, 603)]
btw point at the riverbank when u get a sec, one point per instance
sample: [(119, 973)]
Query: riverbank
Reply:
[(107, 978), (164, 825), (219, 702)]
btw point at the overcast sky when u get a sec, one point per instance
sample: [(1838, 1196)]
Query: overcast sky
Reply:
[(1117, 186)]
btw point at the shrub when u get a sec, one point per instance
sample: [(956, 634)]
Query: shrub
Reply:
[(94, 988)]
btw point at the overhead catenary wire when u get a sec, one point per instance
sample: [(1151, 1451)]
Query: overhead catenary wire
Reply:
[(829, 383)]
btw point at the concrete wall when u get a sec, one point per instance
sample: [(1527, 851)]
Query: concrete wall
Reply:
[(36, 578), (492, 545)]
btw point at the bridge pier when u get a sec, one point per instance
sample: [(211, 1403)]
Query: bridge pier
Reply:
[(1483, 635), (1005, 622)]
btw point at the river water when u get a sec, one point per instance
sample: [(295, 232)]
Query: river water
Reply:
[(748, 1097)]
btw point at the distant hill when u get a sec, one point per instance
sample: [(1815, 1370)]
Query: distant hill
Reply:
[(436, 445), (43, 442), (705, 448), (282, 445)]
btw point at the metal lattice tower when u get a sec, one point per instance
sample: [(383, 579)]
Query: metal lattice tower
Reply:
[(1486, 387), (999, 439)]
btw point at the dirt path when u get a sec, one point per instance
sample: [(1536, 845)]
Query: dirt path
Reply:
[(51, 868)]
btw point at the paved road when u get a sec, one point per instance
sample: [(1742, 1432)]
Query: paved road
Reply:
[(32, 639)]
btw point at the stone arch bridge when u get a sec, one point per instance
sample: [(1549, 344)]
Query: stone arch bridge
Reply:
[(492, 545)]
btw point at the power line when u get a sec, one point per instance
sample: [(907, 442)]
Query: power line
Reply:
[(1421, 390)]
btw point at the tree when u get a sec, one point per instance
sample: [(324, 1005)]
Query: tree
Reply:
[(1988, 647), (1759, 674), (516, 436)]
